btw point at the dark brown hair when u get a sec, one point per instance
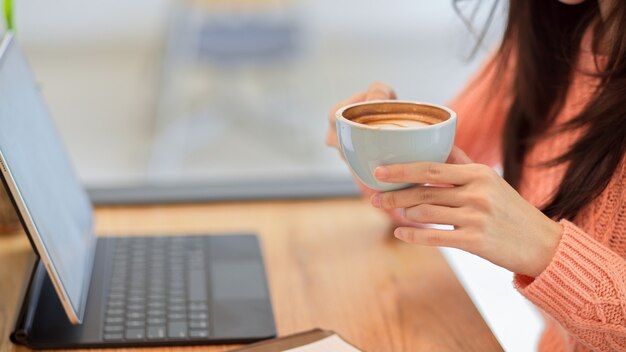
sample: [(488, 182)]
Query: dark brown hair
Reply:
[(543, 39)]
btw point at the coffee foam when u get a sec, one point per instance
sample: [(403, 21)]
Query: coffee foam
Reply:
[(397, 123), (396, 120)]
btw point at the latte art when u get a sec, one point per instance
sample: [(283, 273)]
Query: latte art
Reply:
[(396, 120), (397, 123)]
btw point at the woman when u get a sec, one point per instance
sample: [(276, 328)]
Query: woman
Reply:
[(550, 107)]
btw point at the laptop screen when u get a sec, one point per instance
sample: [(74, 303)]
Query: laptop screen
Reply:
[(55, 208)]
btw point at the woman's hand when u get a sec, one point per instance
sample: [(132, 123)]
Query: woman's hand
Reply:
[(490, 218), (375, 91)]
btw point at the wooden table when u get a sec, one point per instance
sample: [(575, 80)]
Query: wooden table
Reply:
[(332, 264)]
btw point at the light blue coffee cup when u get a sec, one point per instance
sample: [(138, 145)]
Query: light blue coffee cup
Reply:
[(366, 147)]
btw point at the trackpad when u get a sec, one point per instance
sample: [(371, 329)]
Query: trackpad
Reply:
[(238, 280), (240, 302)]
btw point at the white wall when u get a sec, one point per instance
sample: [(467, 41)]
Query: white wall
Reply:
[(64, 22)]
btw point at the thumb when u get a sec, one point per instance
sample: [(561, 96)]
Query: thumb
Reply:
[(380, 91)]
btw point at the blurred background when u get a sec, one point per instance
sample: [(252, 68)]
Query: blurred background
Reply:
[(217, 99)]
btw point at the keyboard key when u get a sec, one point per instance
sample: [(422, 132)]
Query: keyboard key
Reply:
[(110, 337), (117, 296), (113, 320), (173, 301), (118, 288), (115, 312), (156, 321), (115, 304), (176, 308), (177, 285), (135, 315), (156, 305), (156, 296), (156, 313), (198, 324), (199, 334), (135, 323), (118, 281), (136, 307), (177, 316), (178, 294), (135, 334), (197, 306), (198, 316), (156, 332), (177, 330), (113, 328), (137, 299)]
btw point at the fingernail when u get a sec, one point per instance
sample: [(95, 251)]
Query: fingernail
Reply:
[(399, 233), (381, 173), (403, 212), (376, 200)]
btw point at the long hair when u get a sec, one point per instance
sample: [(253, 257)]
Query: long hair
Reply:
[(543, 39)]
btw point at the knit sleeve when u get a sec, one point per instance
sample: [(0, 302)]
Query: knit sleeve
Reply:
[(584, 289)]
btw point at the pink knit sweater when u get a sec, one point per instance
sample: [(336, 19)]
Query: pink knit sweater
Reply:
[(582, 292)]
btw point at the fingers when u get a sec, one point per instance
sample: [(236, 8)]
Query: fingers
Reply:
[(431, 237), (432, 173), (375, 91), (366, 191), (380, 91), (446, 196), (331, 138), (357, 98), (434, 214), (458, 156)]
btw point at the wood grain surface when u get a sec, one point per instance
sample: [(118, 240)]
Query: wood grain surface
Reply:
[(332, 264)]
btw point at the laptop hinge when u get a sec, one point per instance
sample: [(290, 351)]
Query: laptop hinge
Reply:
[(26, 314)]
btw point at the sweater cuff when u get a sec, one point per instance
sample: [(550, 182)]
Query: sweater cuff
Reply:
[(578, 267)]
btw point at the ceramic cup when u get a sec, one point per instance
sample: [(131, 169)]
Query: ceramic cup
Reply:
[(366, 147)]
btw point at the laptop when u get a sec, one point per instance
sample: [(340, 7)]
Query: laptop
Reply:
[(89, 292)]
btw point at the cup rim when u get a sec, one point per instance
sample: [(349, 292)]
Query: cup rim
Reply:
[(339, 115)]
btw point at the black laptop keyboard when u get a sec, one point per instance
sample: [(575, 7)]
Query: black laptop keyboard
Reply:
[(158, 290)]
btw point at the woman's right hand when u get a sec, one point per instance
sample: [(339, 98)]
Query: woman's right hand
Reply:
[(375, 91)]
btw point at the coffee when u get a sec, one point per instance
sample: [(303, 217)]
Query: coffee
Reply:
[(396, 120), (396, 116)]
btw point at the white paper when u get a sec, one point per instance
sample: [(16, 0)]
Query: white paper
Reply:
[(330, 344)]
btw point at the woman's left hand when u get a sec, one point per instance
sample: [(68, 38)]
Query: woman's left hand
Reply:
[(490, 218)]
